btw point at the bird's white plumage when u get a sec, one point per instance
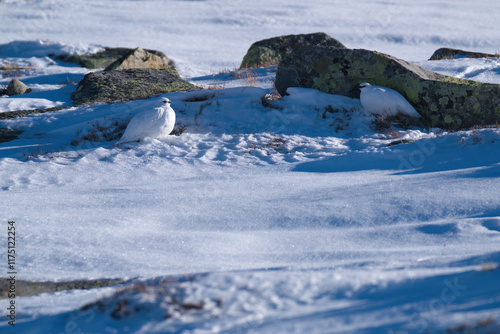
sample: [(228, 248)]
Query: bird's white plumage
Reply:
[(152, 124), (385, 101)]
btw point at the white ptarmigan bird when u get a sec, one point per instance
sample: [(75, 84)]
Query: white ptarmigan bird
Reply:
[(153, 124), (385, 101)]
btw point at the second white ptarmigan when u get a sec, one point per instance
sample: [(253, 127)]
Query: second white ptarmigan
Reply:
[(385, 101), (153, 124)]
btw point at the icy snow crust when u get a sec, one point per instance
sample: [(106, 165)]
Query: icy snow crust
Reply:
[(258, 216)]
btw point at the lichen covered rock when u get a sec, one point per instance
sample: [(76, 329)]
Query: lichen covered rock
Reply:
[(442, 101), (17, 87), (139, 58), (109, 86), (104, 58), (448, 53), (270, 51)]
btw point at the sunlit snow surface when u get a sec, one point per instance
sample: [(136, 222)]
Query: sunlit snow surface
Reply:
[(261, 216), (210, 35)]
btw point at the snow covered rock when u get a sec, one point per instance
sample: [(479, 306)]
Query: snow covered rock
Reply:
[(448, 53), (442, 101), (270, 51), (17, 87), (139, 58), (109, 86)]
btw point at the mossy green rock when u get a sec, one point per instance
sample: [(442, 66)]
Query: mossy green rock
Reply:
[(109, 86), (104, 58), (443, 101), (270, 51)]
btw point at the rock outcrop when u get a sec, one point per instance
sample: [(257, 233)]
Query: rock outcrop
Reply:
[(104, 58), (109, 86), (447, 53), (442, 101), (17, 87), (23, 113), (9, 134), (139, 58), (270, 51)]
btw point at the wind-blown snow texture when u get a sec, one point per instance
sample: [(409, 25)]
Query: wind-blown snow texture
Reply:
[(257, 216)]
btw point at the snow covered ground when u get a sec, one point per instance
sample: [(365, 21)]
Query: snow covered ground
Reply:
[(209, 35), (260, 216)]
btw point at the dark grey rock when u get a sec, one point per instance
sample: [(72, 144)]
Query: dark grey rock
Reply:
[(109, 86), (29, 288), (9, 134), (270, 51), (448, 53), (17, 87), (442, 101), (23, 113)]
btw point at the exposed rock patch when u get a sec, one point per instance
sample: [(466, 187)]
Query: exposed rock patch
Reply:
[(104, 58), (140, 58), (448, 53), (28, 288), (109, 86), (8, 134), (22, 113), (270, 51)]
